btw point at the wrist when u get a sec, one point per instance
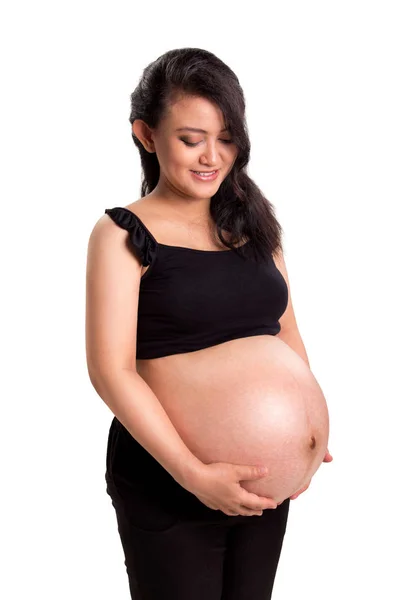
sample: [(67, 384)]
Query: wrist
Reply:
[(189, 471)]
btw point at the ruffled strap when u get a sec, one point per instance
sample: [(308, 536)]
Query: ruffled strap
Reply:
[(141, 238)]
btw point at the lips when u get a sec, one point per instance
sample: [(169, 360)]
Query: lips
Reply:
[(212, 175), (201, 172)]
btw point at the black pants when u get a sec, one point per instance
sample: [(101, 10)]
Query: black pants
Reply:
[(176, 547)]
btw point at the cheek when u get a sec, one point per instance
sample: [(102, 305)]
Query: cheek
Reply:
[(233, 153), (183, 156), (230, 158), (177, 156), (166, 160)]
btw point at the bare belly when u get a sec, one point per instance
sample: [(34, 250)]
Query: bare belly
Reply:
[(248, 401)]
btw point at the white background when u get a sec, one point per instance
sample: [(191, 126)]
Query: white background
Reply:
[(321, 81)]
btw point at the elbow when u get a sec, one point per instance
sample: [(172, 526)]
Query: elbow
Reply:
[(104, 379), (107, 381), (97, 379)]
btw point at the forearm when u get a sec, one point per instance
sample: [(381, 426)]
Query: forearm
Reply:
[(135, 405), (294, 340)]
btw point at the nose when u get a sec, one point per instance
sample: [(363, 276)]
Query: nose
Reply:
[(209, 156)]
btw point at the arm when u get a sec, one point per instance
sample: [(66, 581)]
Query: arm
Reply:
[(289, 332), (112, 291), (135, 405)]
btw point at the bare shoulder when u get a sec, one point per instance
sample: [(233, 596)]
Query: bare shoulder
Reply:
[(146, 206), (162, 224), (150, 210), (153, 215)]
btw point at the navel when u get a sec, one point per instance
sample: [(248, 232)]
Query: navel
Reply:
[(313, 442)]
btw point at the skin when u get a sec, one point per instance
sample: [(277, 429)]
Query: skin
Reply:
[(188, 199)]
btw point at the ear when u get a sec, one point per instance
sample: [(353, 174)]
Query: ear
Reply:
[(144, 134)]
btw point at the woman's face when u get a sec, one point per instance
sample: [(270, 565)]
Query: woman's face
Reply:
[(180, 151)]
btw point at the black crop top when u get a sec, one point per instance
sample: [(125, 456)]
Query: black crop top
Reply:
[(191, 299)]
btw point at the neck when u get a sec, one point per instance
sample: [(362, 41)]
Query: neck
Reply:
[(195, 210)]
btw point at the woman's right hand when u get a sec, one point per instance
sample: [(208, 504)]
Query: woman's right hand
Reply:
[(217, 486)]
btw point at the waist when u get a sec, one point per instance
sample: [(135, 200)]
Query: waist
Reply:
[(150, 347)]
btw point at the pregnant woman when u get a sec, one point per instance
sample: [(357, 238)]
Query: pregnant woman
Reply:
[(193, 344)]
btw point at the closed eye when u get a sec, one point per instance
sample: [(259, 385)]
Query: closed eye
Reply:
[(196, 143)]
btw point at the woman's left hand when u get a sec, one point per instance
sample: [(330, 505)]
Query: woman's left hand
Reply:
[(327, 458)]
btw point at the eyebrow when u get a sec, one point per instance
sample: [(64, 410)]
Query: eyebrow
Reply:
[(196, 129)]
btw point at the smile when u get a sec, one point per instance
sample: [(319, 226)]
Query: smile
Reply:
[(206, 175)]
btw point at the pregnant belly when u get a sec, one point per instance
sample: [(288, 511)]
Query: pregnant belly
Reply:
[(247, 401)]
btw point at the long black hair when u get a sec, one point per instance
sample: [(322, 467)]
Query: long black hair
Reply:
[(238, 206)]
